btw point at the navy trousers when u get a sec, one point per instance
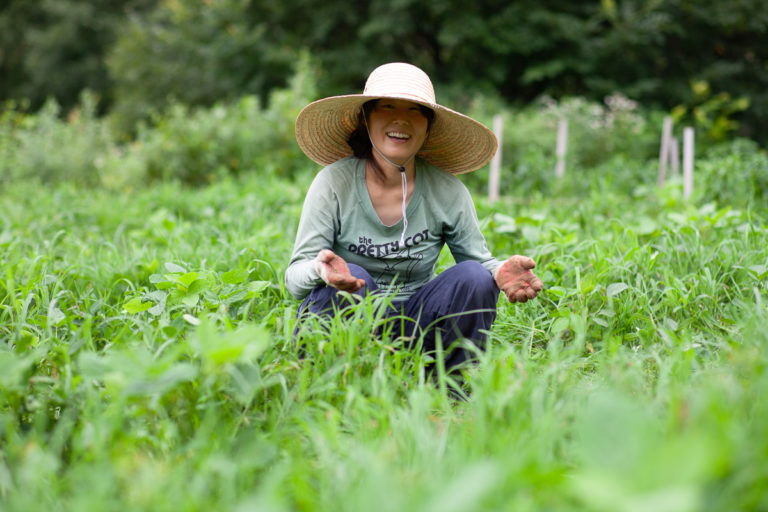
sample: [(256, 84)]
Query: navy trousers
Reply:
[(460, 303)]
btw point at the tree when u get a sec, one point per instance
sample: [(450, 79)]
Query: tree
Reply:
[(56, 48), (139, 53)]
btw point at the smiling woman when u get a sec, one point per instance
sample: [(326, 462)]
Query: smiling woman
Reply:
[(376, 218)]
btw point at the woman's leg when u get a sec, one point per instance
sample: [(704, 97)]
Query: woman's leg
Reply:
[(458, 303), (323, 298)]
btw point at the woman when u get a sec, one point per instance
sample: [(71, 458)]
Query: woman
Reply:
[(377, 216)]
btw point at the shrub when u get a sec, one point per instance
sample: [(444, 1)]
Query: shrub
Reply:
[(197, 145), (733, 173), (46, 148)]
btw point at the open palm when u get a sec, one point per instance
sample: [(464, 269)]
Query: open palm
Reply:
[(335, 272), (516, 279)]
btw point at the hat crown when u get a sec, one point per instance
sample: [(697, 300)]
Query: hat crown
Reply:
[(400, 80)]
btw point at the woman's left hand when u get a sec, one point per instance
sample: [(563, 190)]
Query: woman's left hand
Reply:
[(515, 278)]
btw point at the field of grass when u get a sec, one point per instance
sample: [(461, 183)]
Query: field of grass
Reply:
[(146, 361)]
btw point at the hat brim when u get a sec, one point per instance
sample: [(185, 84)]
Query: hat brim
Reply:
[(456, 143)]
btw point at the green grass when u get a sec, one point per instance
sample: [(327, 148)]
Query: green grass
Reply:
[(146, 362)]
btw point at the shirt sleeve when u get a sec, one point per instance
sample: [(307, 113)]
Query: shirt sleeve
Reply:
[(315, 233), (464, 238)]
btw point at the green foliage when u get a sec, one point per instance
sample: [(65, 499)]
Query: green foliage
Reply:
[(734, 173), (713, 115), (55, 49), (197, 146), (147, 360), (609, 144), (48, 149), (194, 146), (140, 55), (197, 53), (612, 146)]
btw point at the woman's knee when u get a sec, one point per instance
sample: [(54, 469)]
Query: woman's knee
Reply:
[(476, 277)]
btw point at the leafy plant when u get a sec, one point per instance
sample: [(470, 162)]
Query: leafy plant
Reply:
[(712, 114), (148, 358)]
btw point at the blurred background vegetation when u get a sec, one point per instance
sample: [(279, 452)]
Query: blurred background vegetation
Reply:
[(113, 84)]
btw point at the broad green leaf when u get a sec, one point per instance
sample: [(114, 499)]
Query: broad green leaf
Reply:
[(558, 291), (152, 265), (191, 300), (187, 279), (157, 278), (156, 295), (560, 324), (13, 367), (162, 282), (159, 307), (239, 295), (225, 354), (615, 289), (55, 315), (174, 268), (235, 276), (199, 285), (258, 286), (219, 347), (175, 296), (135, 305), (176, 374)]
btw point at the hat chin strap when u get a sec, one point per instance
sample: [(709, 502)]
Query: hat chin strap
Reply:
[(403, 180)]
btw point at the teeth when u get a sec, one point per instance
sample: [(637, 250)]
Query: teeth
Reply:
[(398, 135)]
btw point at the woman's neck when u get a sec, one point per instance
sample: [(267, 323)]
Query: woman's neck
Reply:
[(389, 174)]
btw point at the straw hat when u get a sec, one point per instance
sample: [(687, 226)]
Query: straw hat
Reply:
[(456, 143)]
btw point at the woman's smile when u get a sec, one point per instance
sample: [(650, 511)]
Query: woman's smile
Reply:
[(399, 136)]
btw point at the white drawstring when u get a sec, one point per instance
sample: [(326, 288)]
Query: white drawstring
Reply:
[(405, 217)]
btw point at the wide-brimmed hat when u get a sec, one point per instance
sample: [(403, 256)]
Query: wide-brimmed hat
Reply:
[(455, 143)]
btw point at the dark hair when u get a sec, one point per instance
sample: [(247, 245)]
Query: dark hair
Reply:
[(359, 141)]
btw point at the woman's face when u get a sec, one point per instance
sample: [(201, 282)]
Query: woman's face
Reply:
[(398, 128)]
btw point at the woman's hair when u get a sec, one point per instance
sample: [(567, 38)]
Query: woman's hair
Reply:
[(359, 140)]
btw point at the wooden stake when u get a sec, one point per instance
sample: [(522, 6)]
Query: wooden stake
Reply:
[(674, 156), (687, 162), (493, 182), (562, 147), (666, 134)]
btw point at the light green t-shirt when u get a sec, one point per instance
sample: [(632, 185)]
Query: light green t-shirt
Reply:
[(338, 215)]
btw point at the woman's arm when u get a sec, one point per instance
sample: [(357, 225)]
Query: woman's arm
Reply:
[(315, 233), (464, 238)]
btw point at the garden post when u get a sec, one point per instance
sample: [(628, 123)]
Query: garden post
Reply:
[(493, 183)]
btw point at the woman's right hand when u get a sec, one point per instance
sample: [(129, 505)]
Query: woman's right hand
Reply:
[(333, 270)]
